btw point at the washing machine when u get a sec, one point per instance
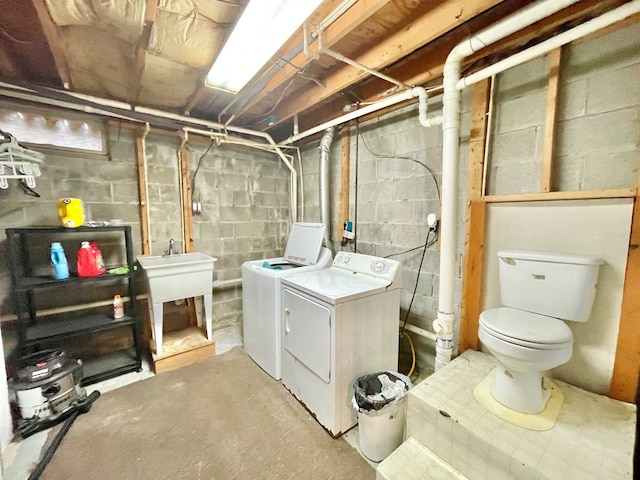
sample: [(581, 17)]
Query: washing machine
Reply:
[(339, 323), (261, 311)]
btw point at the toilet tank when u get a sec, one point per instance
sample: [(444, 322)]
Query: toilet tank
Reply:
[(553, 284)]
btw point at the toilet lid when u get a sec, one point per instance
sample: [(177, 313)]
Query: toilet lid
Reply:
[(525, 328)]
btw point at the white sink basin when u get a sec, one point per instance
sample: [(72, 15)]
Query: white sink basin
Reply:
[(173, 277)]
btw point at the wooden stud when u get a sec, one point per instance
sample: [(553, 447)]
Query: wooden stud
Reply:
[(476, 209), (472, 276), (550, 120), (142, 187), (626, 366), (345, 180), (50, 30), (142, 47), (185, 201), (478, 138)]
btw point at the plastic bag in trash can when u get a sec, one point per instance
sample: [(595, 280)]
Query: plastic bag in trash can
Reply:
[(374, 391)]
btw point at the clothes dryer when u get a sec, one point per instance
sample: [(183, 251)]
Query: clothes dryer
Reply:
[(261, 300), (339, 323)]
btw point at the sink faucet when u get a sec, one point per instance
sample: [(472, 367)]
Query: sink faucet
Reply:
[(172, 250)]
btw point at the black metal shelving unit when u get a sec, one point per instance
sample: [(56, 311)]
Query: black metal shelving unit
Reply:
[(45, 331)]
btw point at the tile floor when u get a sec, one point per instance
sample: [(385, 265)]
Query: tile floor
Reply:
[(593, 438)]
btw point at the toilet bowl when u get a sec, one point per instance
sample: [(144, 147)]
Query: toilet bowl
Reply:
[(528, 334), (523, 354)]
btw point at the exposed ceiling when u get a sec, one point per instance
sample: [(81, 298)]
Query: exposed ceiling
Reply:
[(156, 53)]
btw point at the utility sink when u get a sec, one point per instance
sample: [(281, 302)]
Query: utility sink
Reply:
[(174, 277)]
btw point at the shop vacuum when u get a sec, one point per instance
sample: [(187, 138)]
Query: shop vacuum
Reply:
[(47, 391)]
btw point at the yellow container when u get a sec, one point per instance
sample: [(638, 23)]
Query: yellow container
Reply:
[(71, 212)]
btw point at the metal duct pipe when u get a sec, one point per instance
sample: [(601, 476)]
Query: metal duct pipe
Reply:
[(325, 146)]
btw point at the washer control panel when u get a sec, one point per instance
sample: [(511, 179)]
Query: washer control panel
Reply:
[(368, 265)]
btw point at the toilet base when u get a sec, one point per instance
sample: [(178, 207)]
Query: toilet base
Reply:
[(542, 421), (524, 392)]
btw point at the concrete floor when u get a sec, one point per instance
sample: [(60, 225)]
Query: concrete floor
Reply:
[(21, 456)]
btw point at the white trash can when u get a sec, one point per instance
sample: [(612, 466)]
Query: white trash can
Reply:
[(381, 431)]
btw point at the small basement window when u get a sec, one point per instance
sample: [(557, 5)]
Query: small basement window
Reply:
[(44, 129)]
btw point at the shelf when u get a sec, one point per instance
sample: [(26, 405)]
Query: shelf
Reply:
[(109, 366), (24, 246), (24, 284), (88, 323), (50, 230)]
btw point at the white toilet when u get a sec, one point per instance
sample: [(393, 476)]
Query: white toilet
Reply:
[(527, 335)]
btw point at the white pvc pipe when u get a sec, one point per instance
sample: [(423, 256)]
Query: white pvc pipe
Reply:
[(443, 325), (419, 331), (232, 282), (387, 102), (552, 43), (36, 97)]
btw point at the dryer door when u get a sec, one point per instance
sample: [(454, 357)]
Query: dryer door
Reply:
[(307, 332)]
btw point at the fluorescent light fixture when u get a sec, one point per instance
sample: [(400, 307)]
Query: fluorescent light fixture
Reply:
[(265, 25)]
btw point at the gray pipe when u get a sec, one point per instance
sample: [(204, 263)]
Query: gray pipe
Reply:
[(325, 145)]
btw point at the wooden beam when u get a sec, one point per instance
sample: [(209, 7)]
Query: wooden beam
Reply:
[(427, 64), (437, 21), (478, 138), (142, 187), (50, 30), (548, 147), (476, 209), (185, 200), (624, 381), (577, 195), (141, 49), (340, 28), (345, 180), (472, 275)]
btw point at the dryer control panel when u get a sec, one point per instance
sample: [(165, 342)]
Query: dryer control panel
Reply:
[(384, 268)]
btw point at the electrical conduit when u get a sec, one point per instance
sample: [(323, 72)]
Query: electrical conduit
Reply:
[(325, 146)]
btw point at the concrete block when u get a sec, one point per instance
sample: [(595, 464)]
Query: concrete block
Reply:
[(509, 179), (235, 214), (521, 112), (567, 172), (374, 232), (374, 192), (241, 199), (166, 194), (616, 131), (396, 212), (514, 147), (414, 188), (522, 79), (614, 170), (614, 89), (248, 229), (572, 99), (407, 235), (87, 191), (609, 52), (390, 168)]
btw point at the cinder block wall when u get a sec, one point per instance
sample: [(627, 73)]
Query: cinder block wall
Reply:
[(598, 131), (596, 148), (391, 193), (244, 193)]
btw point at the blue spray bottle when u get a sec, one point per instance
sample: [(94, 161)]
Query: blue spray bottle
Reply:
[(59, 262)]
